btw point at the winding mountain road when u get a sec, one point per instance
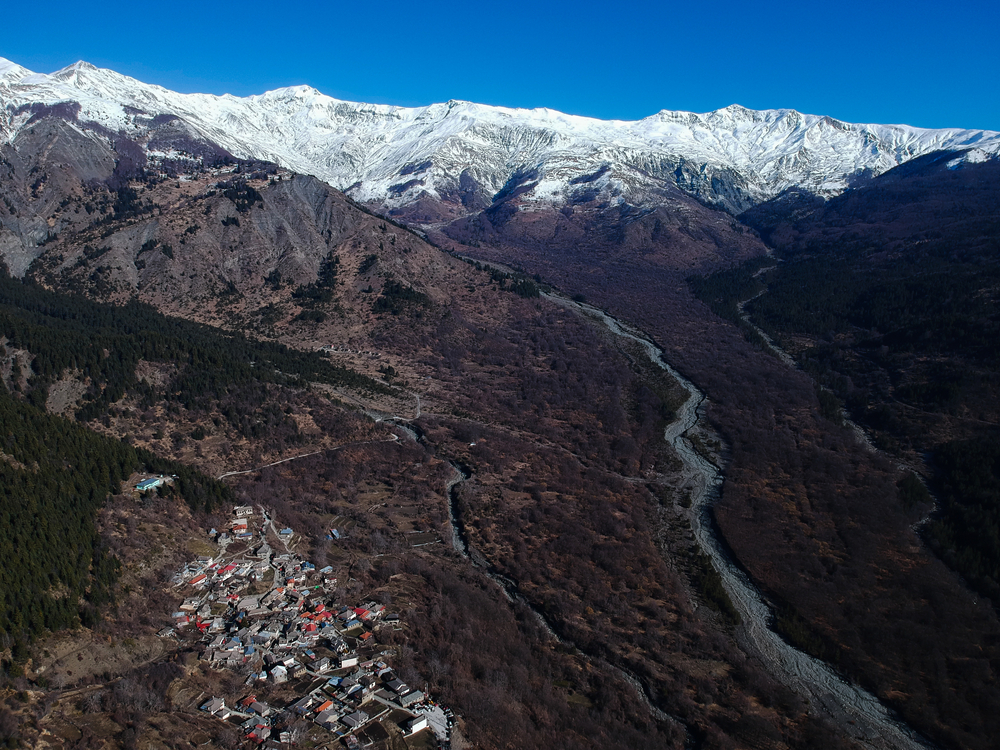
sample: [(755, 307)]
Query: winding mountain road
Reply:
[(392, 439)]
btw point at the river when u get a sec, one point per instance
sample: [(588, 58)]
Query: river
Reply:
[(855, 711)]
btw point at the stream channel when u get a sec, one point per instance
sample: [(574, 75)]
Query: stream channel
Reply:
[(858, 713), (460, 542)]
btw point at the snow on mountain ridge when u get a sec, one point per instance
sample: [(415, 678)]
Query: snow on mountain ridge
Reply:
[(11, 72), (732, 156)]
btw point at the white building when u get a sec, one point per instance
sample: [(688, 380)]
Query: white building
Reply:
[(415, 724)]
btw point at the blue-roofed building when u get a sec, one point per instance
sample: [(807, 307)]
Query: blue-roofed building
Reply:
[(148, 484)]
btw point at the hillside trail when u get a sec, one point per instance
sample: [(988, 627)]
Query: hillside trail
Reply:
[(858, 713)]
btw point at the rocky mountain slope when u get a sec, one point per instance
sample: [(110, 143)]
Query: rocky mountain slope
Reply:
[(475, 369)]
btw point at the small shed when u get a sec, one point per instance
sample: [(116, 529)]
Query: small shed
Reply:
[(416, 724)]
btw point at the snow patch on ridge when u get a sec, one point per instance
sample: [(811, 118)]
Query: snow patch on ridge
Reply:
[(975, 156)]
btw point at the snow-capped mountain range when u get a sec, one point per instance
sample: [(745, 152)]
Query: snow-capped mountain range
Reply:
[(395, 156)]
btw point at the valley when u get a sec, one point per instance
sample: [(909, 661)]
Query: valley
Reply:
[(852, 709), (506, 387), (532, 431)]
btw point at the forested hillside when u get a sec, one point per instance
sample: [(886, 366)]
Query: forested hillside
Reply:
[(57, 473), (887, 295), (54, 475), (105, 343)]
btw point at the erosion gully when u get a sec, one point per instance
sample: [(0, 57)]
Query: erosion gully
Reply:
[(510, 589), (459, 541)]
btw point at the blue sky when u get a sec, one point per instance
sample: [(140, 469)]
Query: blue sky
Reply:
[(888, 62)]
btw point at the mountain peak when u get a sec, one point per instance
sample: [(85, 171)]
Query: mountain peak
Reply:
[(738, 109), (302, 90), (11, 72), (80, 66), (296, 93)]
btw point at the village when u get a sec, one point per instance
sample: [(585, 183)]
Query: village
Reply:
[(316, 674)]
